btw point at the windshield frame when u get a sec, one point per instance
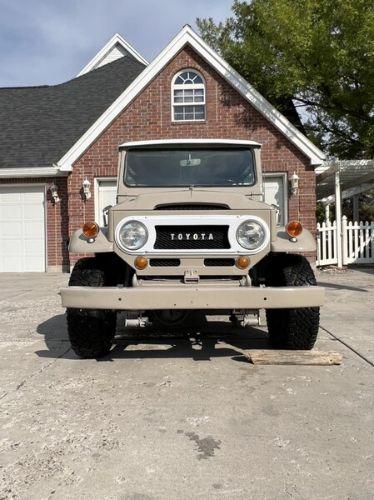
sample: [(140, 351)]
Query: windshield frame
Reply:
[(189, 147)]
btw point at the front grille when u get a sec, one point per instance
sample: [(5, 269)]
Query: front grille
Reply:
[(192, 237), (219, 262), (164, 262), (192, 206)]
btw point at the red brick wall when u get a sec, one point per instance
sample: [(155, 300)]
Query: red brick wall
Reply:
[(56, 217)]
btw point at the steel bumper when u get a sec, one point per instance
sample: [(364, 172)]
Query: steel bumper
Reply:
[(191, 297)]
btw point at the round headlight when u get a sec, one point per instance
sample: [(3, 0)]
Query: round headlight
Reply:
[(251, 235), (132, 235)]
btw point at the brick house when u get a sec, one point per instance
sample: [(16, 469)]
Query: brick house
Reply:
[(53, 139)]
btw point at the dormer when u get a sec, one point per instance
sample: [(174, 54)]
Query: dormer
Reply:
[(116, 48)]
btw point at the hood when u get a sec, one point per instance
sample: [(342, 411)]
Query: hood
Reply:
[(162, 200)]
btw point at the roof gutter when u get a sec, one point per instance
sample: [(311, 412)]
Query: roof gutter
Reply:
[(31, 172)]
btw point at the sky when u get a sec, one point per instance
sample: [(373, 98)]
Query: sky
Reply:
[(50, 41)]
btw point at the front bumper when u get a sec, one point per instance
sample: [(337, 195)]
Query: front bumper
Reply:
[(191, 297)]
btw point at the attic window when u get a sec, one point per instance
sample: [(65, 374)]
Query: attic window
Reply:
[(188, 94)]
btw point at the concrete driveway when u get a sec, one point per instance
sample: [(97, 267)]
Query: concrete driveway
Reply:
[(183, 418)]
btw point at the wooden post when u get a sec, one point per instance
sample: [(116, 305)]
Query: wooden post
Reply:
[(338, 213)]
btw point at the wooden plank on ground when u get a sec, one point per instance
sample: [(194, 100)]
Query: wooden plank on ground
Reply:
[(284, 357)]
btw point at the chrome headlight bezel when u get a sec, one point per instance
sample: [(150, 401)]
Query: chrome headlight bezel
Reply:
[(122, 227), (262, 228)]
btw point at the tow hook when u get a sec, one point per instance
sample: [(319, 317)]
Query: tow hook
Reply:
[(191, 277)]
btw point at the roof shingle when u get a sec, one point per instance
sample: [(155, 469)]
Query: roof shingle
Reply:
[(38, 125)]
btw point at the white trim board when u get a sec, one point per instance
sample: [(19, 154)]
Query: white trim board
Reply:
[(31, 172), (188, 37), (108, 47)]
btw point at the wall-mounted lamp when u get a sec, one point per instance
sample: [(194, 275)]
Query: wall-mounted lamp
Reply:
[(294, 183), (54, 193), (86, 188)]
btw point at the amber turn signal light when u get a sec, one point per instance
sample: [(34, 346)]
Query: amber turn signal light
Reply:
[(140, 263), (294, 228), (242, 262), (90, 229)]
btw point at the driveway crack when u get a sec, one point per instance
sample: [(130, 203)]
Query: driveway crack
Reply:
[(34, 374), (348, 346)]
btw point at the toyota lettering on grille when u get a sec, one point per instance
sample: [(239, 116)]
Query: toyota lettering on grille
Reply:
[(192, 236)]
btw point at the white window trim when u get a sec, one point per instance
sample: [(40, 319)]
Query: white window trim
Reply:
[(285, 188), (179, 86), (97, 181)]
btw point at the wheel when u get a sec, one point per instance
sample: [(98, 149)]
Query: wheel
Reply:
[(292, 328), (91, 331)]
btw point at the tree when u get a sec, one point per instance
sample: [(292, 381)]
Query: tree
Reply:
[(316, 55)]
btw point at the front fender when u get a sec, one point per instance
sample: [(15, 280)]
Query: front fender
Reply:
[(80, 244), (282, 243)]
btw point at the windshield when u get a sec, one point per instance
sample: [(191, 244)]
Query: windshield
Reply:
[(189, 167)]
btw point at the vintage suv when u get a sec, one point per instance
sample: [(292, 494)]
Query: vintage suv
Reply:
[(190, 231)]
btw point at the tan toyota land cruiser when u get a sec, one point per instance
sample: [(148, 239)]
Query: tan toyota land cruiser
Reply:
[(190, 232)]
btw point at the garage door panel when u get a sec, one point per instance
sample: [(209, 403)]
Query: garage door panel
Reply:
[(9, 211), (22, 228), (11, 246), (10, 197), (275, 194), (32, 197), (12, 264), (106, 195), (34, 229), (32, 212), (33, 265), (10, 229), (33, 246)]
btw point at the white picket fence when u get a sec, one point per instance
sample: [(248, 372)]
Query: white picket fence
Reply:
[(357, 240)]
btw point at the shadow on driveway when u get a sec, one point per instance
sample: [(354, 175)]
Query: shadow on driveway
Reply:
[(200, 341), (335, 286)]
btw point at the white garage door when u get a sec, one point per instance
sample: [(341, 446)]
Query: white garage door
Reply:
[(106, 193), (22, 229), (275, 191)]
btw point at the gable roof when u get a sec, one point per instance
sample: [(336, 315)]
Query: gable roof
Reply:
[(39, 124), (116, 48), (188, 37)]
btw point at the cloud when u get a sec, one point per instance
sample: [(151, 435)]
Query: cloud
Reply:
[(48, 42)]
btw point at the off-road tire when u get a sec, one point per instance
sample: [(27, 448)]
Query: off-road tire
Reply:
[(91, 331), (292, 328)]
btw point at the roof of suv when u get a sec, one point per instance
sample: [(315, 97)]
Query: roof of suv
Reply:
[(189, 142)]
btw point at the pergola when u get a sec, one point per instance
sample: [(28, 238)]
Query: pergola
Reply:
[(341, 179)]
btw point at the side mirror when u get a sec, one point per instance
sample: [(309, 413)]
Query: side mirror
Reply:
[(105, 214)]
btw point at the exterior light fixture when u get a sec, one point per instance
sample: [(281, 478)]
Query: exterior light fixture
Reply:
[(294, 183), (86, 188), (54, 193)]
